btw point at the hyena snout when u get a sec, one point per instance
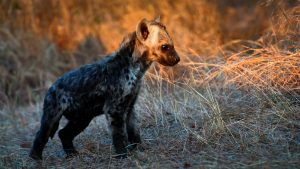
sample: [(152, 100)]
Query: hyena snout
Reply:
[(176, 59), (170, 59)]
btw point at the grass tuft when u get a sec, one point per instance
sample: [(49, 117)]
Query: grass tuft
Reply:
[(232, 102)]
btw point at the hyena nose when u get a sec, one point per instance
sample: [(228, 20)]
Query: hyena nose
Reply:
[(177, 59)]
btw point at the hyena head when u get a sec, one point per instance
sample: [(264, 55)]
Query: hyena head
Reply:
[(159, 45)]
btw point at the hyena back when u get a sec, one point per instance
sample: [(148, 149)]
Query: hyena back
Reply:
[(109, 86)]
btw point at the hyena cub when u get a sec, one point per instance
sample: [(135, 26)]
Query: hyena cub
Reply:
[(109, 87)]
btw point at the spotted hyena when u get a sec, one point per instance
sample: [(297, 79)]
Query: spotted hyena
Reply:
[(109, 86)]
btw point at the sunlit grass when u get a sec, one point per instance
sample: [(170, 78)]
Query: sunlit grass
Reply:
[(232, 102)]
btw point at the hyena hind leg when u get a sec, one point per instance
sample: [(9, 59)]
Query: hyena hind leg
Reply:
[(69, 132), (47, 129)]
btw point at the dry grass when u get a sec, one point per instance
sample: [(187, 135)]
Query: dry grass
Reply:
[(232, 102)]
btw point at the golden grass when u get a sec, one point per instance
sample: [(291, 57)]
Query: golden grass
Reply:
[(232, 102)]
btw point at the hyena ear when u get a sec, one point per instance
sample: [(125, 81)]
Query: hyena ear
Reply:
[(142, 31), (157, 20)]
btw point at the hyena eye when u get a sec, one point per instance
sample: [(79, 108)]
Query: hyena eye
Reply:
[(165, 47)]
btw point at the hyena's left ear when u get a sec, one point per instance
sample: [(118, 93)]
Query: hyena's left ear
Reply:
[(142, 31), (157, 20)]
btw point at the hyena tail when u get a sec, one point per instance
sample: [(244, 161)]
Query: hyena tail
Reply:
[(49, 125), (48, 128), (54, 129), (51, 115)]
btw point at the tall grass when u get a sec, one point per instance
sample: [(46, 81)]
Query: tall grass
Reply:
[(233, 101)]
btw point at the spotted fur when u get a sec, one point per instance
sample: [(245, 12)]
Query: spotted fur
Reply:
[(109, 86)]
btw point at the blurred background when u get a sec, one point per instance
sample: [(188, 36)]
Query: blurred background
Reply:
[(40, 40), (233, 101)]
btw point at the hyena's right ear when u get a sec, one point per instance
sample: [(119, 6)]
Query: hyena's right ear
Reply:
[(142, 31)]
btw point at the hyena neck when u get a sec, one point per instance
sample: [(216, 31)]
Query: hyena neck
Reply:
[(135, 54)]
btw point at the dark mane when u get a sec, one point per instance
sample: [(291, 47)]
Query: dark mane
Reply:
[(158, 24), (127, 45)]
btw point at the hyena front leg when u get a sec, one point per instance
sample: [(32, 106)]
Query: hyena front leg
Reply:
[(116, 118), (119, 134), (133, 132), (132, 126)]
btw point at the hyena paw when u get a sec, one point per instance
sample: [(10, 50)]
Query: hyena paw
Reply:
[(121, 152), (71, 153), (132, 146), (121, 156), (34, 155), (136, 139)]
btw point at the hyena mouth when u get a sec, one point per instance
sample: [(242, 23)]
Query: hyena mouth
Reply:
[(177, 60), (172, 61), (169, 63), (167, 60)]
